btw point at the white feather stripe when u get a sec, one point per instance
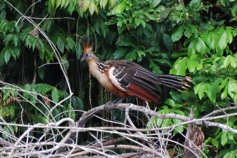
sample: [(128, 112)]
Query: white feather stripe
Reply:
[(114, 80)]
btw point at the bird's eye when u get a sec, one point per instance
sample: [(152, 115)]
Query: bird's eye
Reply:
[(87, 55)]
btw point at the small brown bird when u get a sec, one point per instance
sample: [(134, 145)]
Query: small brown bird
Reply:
[(125, 78)]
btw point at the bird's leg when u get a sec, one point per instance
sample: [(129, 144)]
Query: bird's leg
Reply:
[(116, 101)]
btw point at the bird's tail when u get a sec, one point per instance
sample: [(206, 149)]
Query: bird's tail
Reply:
[(177, 82)]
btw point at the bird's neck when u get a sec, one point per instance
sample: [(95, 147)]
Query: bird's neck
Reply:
[(96, 67)]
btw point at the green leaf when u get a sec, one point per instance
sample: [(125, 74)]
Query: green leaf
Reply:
[(118, 9), (200, 89), (119, 53), (176, 96), (69, 111), (60, 44), (231, 154), (58, 3), (70, 42), (212, 91), (178, 129), (166, 122), (194, 3), (43, 88), (26, 94), (155, 69), (226, 61), (180, 67), (111, 3), (77, 103), (33, 96), (139, 21), (225, 92), (223, 41), (154, 3), (172, 103), (163, 61), (55, 95), (167, 42), (7, 56), (131, 56), (78, 50), (211, 39), (56, 112), (86, 4), (177, 34), (192, 65), (158, 122), (233, 62), (103, 3), (41, 73), (214, 142), (6, 130), (224, 138), (201, 46), (232, 86), (92, 8)]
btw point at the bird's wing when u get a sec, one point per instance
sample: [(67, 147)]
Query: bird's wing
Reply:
[(123, 74)]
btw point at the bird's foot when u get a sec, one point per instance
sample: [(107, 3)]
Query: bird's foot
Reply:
[(114, 102)]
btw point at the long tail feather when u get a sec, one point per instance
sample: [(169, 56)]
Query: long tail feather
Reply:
[(179, 83)]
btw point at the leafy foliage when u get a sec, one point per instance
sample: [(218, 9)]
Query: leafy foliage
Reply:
[(195, 38)]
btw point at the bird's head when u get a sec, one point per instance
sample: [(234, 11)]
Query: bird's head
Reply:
[(88, 53)]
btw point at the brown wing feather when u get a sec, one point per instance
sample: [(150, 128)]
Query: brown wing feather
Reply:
[(135, 90)]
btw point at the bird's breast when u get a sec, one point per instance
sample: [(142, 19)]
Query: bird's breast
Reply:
[(103, 77)]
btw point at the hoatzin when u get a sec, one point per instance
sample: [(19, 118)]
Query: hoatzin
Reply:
[(125, 78)]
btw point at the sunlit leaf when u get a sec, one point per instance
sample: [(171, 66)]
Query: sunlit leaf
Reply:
[(103, 3), (200, 89), (224, 138), (155, 3), (232, 86), (223, 40), (233, 62), (200, 45), (226, 61), (225, 92), (93, 8), (192, 65), (172, 103), (86, 4), (118, 8), (180, 128), (179, 67), (111, 3)]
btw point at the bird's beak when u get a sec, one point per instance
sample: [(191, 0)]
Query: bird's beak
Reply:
[(83, 57)]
